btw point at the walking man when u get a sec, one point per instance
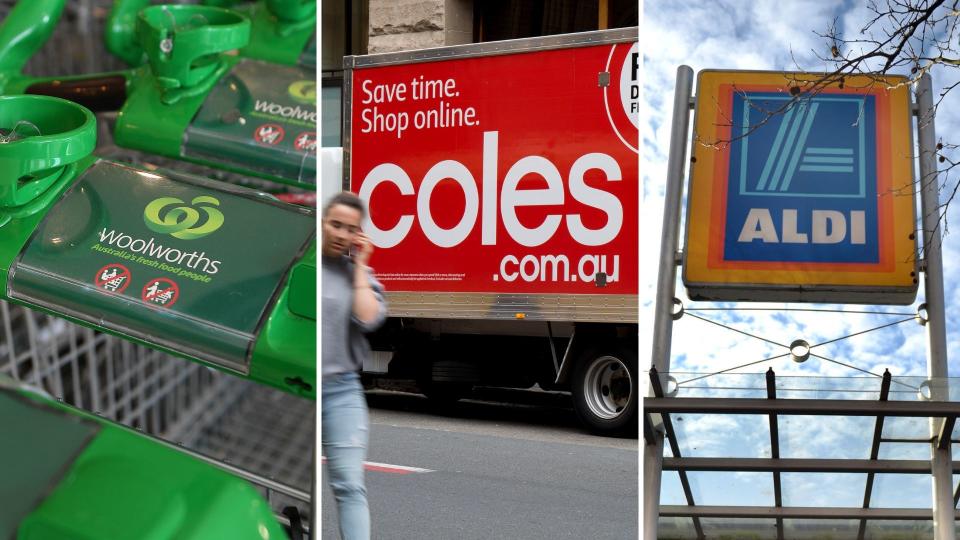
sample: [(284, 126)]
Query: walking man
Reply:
[(352, 305)]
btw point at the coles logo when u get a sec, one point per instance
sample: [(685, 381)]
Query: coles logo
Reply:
[(511, 197)]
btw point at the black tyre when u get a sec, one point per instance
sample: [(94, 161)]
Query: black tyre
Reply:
[(605, 391)]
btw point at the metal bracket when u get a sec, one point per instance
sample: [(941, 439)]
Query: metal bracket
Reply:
[(553, 349), (566, 354), (678, 311), (651, 429), (946, 431), (921, 316)]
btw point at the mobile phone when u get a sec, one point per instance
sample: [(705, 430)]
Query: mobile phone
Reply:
[(354, 248)]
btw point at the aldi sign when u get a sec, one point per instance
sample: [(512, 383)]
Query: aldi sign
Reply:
[(800, 191)]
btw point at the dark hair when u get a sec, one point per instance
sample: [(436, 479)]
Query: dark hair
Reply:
[(348, 199)]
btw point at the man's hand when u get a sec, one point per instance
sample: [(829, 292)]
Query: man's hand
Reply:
[(363, 249), (366, 307)]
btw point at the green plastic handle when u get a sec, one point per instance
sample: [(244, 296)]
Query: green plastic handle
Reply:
[(221, 3), (39, 137), (292, 10), (24, 31), (120, 33), (182, 42)]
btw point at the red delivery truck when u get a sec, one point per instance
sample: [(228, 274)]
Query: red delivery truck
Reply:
[(503, 191)]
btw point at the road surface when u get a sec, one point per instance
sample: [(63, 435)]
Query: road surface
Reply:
[(507, 465)]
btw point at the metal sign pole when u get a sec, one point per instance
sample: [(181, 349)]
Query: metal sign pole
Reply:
[(941, 460), (666, 286)]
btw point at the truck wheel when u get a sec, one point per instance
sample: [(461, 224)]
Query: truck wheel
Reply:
[(605, 391)]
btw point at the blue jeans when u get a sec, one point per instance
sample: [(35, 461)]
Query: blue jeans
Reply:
[(344, 433)]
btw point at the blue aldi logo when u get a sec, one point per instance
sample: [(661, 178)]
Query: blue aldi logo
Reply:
[(802, 179), (811, 199)]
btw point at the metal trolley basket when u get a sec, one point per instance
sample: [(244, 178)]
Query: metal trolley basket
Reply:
[(262, 435)]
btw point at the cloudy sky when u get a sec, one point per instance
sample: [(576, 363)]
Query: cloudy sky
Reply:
[(780, 35)]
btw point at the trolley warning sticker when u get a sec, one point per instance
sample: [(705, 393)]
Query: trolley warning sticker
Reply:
[(270, 134), (113, 278), (306, 141), (161, 292)]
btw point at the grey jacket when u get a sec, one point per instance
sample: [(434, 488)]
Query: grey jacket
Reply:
[(344, 347)]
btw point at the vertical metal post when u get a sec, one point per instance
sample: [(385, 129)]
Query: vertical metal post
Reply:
[(348, 47), (666, 286), (941, 460)]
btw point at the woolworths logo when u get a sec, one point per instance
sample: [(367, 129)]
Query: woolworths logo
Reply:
[(303, 91), (181, 221)]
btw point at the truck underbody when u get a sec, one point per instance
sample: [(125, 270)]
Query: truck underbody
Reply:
[(595, 362)]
